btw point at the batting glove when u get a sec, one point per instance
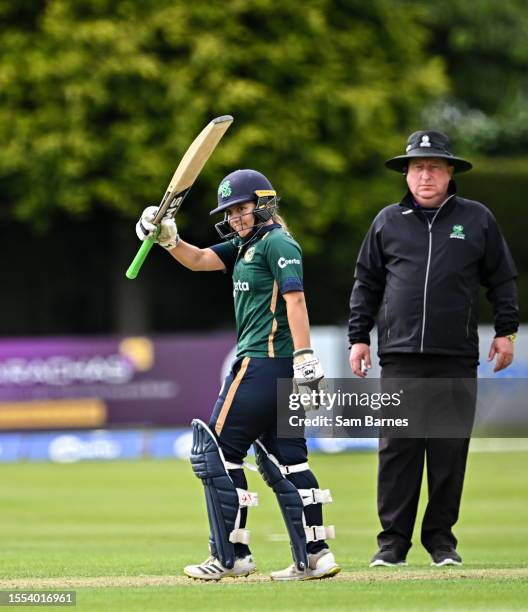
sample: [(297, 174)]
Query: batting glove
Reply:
[(166, 234), (308, 375)]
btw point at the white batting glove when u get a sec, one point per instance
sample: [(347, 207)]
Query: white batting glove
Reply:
[(166, 234), (308, 375)]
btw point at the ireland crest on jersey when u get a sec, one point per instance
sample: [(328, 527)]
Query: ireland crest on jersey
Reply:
[(458, 232), (249, 254)]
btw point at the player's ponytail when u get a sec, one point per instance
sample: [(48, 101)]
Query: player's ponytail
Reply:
[(280, 219)]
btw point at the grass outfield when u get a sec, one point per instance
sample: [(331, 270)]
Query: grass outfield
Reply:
[(119, 533)]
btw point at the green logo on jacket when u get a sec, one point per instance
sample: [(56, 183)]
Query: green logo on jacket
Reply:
[(458, 232)]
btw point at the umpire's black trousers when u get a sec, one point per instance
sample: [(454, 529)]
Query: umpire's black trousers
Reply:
[(401, 464)]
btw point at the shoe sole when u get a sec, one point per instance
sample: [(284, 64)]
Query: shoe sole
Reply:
[(381, 563), (210, 577), (328, 573), (446, 562)]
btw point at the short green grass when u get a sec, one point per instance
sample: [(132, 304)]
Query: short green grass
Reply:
[(104, 522)]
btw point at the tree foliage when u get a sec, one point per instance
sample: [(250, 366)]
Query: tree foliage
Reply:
[(100, 98), (484, 48)]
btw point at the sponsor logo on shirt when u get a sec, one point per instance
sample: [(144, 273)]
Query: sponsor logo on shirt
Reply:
[(240, 286), (283, 262)]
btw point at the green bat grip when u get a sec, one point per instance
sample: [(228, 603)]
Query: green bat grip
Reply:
[(140, 257)]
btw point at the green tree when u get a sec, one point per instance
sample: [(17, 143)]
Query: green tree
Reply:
[(484, 48), (99, 99)]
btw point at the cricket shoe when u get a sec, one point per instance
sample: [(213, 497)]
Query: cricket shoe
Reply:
[(387, 557), (212, 569), (445, 555), (320, 565)]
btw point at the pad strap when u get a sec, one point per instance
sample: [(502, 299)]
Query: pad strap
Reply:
[(239, 466), (315, 496), (292, 469), (239, 536), (286, 469), (319, 532)]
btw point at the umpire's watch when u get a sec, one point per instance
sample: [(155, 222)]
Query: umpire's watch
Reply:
[(512, 337)]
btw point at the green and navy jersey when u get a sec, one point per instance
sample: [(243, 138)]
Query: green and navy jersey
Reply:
[(263, 270)]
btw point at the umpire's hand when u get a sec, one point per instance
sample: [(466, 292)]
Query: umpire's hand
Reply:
[(502, 348), (360, 359)]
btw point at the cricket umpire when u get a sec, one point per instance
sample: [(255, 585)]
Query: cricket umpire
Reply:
[(418, 276)]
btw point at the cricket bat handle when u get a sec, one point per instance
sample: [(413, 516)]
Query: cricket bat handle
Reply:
[(140, 257)]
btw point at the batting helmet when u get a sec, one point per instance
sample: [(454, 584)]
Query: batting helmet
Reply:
[(245, 186), (241, 186)]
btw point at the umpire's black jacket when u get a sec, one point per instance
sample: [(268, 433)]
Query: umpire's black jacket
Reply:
[(421, 277)]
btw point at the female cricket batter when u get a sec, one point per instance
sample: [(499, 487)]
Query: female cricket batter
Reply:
[(273, 342)]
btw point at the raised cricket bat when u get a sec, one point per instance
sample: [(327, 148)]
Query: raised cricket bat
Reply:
[(186, 173)]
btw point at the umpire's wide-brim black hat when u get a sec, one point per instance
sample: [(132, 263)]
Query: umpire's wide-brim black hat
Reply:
[(428, 143)]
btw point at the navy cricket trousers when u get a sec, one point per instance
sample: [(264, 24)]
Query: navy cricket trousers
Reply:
[(247, 409)]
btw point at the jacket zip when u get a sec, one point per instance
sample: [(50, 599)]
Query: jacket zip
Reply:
[(468, 318), (387, 320), (430, 224), (425, 284)]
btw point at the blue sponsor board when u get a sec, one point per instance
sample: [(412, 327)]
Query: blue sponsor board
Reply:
[(341, 445), (10, 446), (102, 445), (177, 443), (71, 447), (169, 443)]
